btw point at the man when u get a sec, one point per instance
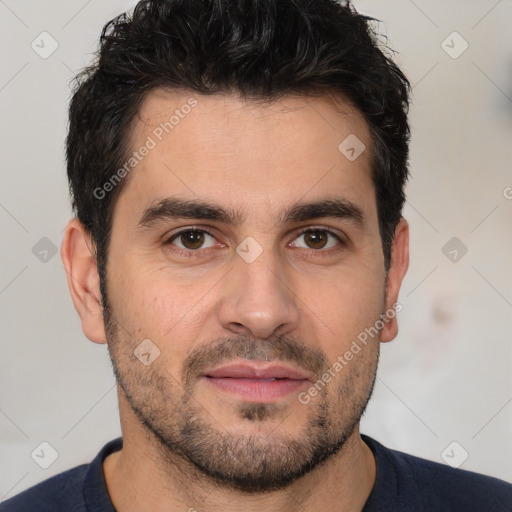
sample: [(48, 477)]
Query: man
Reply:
[(237, 172)]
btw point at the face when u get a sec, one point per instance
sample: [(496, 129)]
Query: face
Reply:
[(245, 260)]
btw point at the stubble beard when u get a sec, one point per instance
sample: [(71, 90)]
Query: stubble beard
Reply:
[(267, 459)]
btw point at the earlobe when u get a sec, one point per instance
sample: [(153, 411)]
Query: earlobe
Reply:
[(83, 279), (397, 270)]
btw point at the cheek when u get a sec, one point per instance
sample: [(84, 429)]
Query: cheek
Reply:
[(152, 305), (344, 304)]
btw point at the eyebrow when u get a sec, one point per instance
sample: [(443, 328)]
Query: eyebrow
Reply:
[(175, 208)]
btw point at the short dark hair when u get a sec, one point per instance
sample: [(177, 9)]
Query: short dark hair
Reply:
[(260, 49)]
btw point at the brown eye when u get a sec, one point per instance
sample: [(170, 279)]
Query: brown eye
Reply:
[(192, 239), (318, 239)]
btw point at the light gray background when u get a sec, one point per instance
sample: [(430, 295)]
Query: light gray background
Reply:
[(447, 377)]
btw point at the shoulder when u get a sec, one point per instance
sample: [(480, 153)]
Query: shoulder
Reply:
[(75, 490), (433, 485), (457, 486), (60, 492)]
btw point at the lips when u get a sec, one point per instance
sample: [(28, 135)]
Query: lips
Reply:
[(245, 371), (256, 383)]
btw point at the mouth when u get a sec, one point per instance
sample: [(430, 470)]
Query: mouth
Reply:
[(257, 383)]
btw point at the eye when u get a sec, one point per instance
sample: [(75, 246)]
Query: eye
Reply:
[(318, 239), (192, 239)]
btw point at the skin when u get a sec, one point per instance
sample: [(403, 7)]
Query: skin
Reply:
[(258, 159)]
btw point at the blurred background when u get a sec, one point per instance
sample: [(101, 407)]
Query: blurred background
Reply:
[(444, 388)]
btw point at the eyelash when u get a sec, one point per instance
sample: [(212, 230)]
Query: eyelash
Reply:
[(193, 253)]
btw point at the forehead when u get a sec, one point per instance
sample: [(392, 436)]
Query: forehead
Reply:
[(254, 154), (208, 118)]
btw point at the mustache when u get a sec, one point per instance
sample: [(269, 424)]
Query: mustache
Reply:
[(278, 348)]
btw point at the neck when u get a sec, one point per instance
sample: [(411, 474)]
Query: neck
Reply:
[(139, 479)]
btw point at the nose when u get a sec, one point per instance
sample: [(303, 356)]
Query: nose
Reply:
[(257, 300)]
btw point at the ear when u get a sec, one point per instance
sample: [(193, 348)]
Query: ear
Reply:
[(83, 279), (398, 267)]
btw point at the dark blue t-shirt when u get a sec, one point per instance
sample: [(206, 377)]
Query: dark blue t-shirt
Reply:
[(403, 483)]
